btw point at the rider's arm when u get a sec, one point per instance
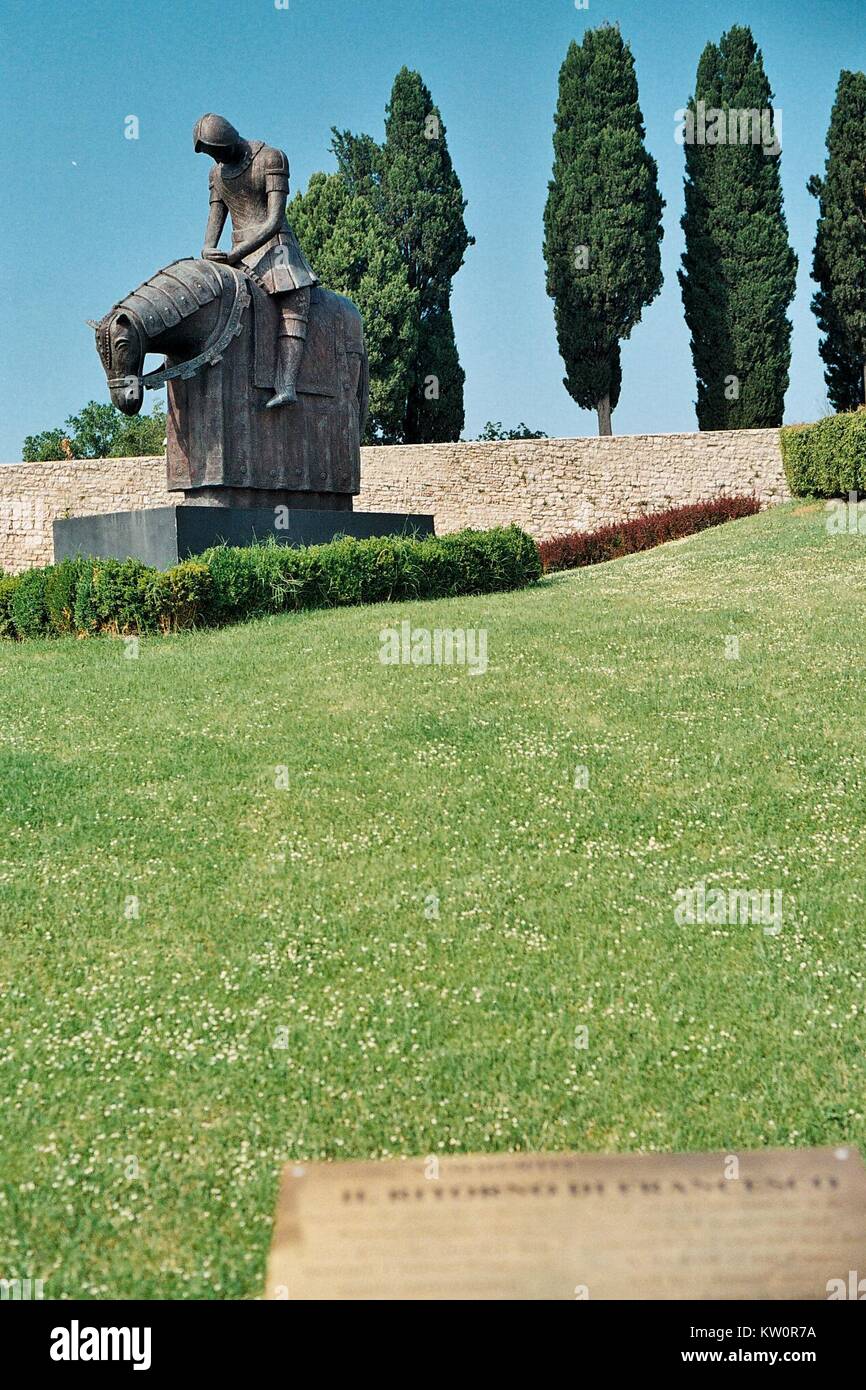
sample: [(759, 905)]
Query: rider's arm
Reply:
[(216, 218)]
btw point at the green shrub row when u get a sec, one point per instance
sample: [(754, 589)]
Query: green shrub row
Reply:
[(88, 596), (225, 584), (827, 459)]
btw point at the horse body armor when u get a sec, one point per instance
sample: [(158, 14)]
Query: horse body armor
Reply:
[(172, 294), (217, 377)]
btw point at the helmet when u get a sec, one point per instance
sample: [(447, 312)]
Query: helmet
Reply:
[(216, 131)]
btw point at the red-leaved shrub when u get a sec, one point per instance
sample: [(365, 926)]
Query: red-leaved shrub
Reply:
[(610, 542)]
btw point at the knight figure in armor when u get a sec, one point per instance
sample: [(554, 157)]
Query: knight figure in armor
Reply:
[(250, 182)]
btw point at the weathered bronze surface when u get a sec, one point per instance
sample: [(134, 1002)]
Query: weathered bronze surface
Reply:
[(266, 370), (250, 181)]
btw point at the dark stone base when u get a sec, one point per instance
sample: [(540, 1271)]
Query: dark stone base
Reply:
[(266, 497), (164, 535)]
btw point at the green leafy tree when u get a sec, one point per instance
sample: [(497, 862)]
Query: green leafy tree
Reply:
[(139, 436), (45, 447), (347, 242), (494, 430), (99, 431), (839, 263), (738, 271), (602, 223), (94, 429), (411, 182)]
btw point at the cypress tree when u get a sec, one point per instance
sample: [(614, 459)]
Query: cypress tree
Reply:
[(738, 271), (839, 263), (435, 400), (349, 245), (411, 183), (424, 207), (602, 223)]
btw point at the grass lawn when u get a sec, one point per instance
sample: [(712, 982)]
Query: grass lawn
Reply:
[(145, 1109)]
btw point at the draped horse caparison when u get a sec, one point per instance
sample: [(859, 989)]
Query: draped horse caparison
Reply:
[(216, 328)]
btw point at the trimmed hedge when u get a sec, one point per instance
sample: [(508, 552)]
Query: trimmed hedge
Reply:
[(827, 459), (27, 605), (611, 542), (9, 584), (225, 584)]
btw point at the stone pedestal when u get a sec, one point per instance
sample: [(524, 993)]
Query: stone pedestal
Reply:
[(268, 498), (164, 535)]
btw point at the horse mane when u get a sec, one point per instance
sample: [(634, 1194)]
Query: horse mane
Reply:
[(103, 342)]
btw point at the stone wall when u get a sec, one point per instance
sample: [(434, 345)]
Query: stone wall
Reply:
[(548, 486), (552, 486), (33, 494)]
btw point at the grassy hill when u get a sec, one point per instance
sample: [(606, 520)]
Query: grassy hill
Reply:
[(394, 950)]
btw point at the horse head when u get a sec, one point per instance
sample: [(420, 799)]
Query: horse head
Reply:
[(175, 313), (120, 342)]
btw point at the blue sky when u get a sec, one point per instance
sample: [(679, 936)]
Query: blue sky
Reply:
[(88, 214)]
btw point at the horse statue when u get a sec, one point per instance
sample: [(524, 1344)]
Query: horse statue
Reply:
[(217, 329)]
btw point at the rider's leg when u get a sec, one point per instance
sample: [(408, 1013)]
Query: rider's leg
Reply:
[(294, 310)]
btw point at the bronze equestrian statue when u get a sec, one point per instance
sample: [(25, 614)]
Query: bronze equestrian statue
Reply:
[(266, 375), (266, 370)]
